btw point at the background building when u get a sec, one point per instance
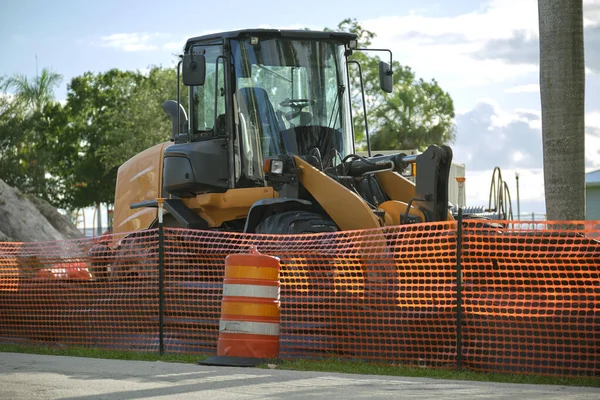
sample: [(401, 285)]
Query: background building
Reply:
[(592, 195)]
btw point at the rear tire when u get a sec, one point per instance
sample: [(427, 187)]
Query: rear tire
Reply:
[(295, 222)]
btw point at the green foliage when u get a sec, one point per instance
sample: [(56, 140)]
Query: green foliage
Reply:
[(27, 122), (69, 155), (94, 103), (114, 115), (416, 114), (12, 119), (35, 94)]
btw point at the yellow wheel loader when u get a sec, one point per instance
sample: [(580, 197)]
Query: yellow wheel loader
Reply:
[(267, 145)]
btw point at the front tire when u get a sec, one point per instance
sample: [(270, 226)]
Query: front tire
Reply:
[(295, 222), (307, 278)]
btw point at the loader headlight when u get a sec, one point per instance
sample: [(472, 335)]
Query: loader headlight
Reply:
[(273, 166), (277, 167)]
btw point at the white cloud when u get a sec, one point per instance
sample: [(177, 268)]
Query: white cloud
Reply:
[(494, 44), (156, 41), (592, 119), (592, 140), (529, 88), (290, 26), (502, 118), (143, 41), (522, 48), (489, 136), (497, 19), (131, 41), (517, 156), (444, 47), (592, 149), (591, 12), (173, 46)]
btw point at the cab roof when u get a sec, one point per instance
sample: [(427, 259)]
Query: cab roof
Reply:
[(284, 33)]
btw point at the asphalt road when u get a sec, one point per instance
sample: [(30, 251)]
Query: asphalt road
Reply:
[(28, 376)]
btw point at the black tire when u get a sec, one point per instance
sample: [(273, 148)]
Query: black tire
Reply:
[(296, 222)]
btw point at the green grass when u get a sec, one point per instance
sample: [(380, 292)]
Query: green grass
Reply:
[(323, 365), (100, 353), (370, 368)]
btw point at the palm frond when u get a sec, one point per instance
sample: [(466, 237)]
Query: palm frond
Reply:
[(34, 94)]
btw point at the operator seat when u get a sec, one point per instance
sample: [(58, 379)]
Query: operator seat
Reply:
[(256, 106)]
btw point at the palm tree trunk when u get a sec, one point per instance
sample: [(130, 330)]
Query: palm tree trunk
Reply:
[(562, 90), (99, 219)]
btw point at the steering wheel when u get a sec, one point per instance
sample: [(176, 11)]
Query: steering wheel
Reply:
[(297, 103)]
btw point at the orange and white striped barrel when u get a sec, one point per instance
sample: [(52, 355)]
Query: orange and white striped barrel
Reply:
[(249, 325)]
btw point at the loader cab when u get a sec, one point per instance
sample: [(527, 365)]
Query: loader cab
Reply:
[(263, 93)]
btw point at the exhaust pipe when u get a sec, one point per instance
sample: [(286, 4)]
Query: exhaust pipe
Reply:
[(171, 107)]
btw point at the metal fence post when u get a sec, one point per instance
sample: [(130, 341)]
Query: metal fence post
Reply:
[(161, 278), (459, 316)]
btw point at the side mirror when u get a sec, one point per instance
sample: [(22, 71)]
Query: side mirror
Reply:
[(386, 81), (193, 69)]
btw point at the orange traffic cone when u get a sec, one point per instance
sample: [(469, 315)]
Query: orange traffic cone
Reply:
[(249, 325)]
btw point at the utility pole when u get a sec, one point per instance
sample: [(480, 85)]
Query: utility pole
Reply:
[(518, 199)]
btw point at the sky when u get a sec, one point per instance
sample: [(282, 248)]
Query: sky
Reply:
[(484, 53)]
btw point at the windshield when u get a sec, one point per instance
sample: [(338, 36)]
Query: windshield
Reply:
[(291, 99)]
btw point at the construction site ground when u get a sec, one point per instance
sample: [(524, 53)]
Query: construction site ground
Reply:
[(27, 376)]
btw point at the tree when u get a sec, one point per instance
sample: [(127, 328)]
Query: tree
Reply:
[(35, 94), (416, 114), (562, 94), (26, 151), (69, 155), (142, 121), (114, 115), (12, 131)]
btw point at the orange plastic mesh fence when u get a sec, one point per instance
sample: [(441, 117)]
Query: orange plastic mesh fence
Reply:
[(532, 297), (80, 292), (194, 271), (380, 294), (530, 293)]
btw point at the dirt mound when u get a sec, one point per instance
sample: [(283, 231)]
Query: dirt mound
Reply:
[(30, 219)]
